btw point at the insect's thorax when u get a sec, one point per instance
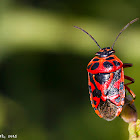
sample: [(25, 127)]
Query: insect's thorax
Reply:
[(104, 64)]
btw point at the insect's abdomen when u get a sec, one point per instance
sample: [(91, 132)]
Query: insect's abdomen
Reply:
[(107, 93)]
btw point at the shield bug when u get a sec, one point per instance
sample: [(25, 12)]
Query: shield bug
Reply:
[(106, 80)]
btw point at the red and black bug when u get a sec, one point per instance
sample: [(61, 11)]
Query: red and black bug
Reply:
[(106, 81)]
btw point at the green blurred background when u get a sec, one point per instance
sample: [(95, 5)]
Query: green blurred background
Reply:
[(43, 59)]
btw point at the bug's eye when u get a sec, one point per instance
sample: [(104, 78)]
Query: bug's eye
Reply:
[(113, 51), (110, 52)]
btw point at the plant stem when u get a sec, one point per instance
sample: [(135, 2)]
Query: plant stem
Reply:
[(134, 130)]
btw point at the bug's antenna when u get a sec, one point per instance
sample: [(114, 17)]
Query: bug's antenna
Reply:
[(89, 35), (131, 22)]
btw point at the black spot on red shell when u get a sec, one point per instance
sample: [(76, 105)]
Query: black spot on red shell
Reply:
[(89, 66), (117, 99), (97, 93), (109, 58), (102, 77), (107, 64), (94, 108), (95, 66), (96, 59), (94, 102), (116, 63)]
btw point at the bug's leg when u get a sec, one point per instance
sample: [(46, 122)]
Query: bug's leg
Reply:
[(130, 79), (126, 65), (131, 92)]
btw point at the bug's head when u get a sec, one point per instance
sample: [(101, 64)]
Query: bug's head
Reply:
[(105, 52)]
